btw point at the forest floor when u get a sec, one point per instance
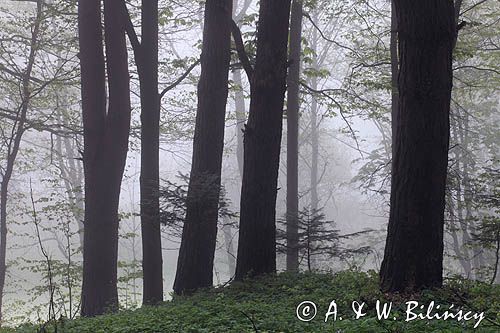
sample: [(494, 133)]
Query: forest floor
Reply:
[(269, 304)]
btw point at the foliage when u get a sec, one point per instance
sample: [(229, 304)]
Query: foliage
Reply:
[(173, 198), (269, 303), (317, 238)]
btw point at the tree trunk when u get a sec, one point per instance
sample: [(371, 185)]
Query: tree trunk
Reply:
[(414, 250), (293, 105), (228, 243), (199, 235), (105, 148), (465, 258), (394, 70), (13, 144), (239, 101), (147, 64), (262, 142), (314, 127)]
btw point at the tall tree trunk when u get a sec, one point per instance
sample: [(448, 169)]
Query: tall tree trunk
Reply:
[(239, 96), (199, 235), (468, 163), (394, 71), (13, 145), (240, 112), (262, 141), (239, 101), (414, 250), (314, 128), (105, 148), (465, 258), (152, 263), (292, 163)]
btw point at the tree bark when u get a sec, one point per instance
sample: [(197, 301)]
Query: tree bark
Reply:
[(199, 235), (394, 70), (106, 135), (414, 249), (262, 141), (292, 113), (147, 64)]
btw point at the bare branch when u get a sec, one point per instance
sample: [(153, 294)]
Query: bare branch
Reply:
[(341, 111), (180, 79)]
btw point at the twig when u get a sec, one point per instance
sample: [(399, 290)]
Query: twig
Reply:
[(341, 111), (306, 15), (251, 320), (52, 314)]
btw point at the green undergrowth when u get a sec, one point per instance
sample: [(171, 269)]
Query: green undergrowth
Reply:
[(268, 304)]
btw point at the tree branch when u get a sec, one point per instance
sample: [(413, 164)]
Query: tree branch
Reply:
[(180, 79), (341, 111), (131, 33), (306, 15), (240, 48)]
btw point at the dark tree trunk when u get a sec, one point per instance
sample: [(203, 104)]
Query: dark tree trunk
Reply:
[(199, 235), (394, 70), (414, 250), (105, 148), (292, 163), (262, 141), (147, 64)]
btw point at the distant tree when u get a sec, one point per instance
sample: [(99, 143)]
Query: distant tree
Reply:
[(414, 249), (262, 141), (292, 120), (487, 232), (317, 237), (106, 123), (199, 235), (173, 205)]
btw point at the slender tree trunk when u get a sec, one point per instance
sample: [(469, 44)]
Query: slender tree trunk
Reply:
[(293, 106), (494, 277), (454, 228), (314, 130), (71, 172), (240, 112), (105, 148), (228, 242), (465, 258), (414, 250), (239, 99), (239, 96), (152, 262), (199, 235), (468, 197), (262, 141), (13, 145)]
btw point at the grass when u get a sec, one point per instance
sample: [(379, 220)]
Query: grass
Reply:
[(268, 304)]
